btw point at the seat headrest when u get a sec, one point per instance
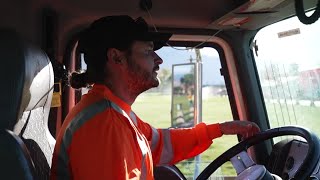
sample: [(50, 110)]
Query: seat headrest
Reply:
[(27, 77)]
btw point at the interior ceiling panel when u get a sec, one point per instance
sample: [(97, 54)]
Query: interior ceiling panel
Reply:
[(165, 13), (196, 14)]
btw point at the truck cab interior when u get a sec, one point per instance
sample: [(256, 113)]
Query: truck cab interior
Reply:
[(266, 69)]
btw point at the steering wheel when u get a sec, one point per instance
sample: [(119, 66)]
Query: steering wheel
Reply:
[(303, 172)]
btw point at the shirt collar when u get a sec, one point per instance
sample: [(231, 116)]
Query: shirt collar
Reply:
[(107, 94)]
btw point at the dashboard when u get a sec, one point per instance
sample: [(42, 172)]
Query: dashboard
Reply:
[(287, 156)]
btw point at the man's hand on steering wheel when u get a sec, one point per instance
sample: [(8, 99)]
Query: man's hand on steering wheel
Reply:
[(244, 128)]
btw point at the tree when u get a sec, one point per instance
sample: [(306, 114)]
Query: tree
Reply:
[(164, 75), (187, 81)]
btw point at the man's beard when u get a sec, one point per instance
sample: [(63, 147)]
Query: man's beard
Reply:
[(140, 80)]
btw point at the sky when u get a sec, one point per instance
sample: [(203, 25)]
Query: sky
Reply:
[(210, 60), (302, 49)]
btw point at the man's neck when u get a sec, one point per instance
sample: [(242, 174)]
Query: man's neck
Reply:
[(121, 91)]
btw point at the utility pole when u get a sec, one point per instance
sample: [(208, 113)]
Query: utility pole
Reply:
[(198, 55), (198, 103)]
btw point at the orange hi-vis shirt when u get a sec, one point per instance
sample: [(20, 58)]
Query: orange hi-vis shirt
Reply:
[(102, 138)]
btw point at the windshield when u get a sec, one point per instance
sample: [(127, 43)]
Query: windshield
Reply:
[(288, 63)]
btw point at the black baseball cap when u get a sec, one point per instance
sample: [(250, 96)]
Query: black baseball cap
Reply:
[(119, 31)]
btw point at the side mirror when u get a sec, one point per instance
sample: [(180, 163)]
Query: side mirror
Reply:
[(183, 90)]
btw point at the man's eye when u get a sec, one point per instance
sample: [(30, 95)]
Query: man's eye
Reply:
[(149, 52)]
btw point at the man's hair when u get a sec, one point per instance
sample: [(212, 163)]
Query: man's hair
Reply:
[(97, 72)]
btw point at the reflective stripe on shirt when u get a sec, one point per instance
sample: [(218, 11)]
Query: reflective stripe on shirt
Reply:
[(155, 138), (83, 117), (80, 119), (167, 151), (142, 141)]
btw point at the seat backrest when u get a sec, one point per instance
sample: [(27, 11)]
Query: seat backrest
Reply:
[(27, 84)]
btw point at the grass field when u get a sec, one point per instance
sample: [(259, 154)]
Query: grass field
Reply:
[(155, 109), (305, 116)]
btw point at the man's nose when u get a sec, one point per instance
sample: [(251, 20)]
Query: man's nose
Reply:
[(157, 59)]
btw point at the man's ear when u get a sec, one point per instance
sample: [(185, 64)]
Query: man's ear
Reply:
[(115, 56)]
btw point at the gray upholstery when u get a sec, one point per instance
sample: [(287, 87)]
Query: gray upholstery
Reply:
[(25, 93)]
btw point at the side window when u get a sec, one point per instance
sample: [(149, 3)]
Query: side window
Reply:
[(154, 106), (288, 64), (83, 67)]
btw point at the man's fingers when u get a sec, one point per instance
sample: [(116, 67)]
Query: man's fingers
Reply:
[(243, 128), (251, 130)]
